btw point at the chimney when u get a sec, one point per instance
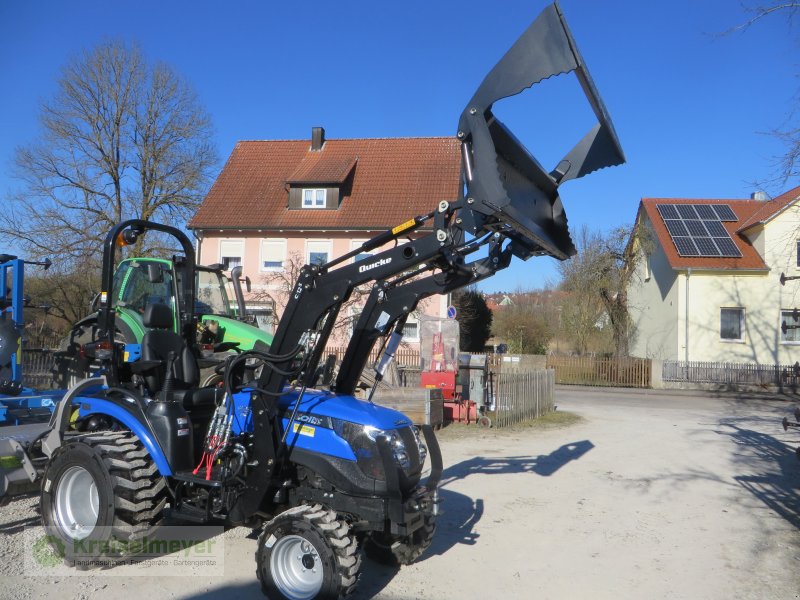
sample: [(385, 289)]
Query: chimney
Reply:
[(317, 138), (759, 195)]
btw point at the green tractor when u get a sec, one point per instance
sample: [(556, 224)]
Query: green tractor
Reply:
[(140, 282)]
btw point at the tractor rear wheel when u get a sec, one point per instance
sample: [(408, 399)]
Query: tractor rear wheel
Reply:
[(307, 552), (100, 492)]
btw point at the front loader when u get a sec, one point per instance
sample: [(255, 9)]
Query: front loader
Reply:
[(324, 474)]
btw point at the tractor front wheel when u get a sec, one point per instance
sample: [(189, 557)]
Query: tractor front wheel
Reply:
[(307, 552)]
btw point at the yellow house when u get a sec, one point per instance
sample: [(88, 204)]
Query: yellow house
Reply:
[(709, 287)]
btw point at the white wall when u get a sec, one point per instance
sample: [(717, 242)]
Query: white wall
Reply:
[(654, 305)]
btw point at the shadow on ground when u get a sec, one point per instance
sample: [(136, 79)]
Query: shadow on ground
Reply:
[(460, 513), (455, 526), (774, 471), (19, 525), (544, 465)]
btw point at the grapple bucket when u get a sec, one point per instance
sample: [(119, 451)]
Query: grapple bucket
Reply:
[(509, 188)]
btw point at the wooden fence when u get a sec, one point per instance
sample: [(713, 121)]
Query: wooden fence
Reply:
[(522, 396), (729, 373), (583, 370), (404, 357)]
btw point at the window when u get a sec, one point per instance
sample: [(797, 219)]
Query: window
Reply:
[(790, 318), (273, 253), (139, 292), (211, 294), (411, 330), (314, 198), (231, 253), (354, 244), (647, 271), (318, 252), (731, 326)]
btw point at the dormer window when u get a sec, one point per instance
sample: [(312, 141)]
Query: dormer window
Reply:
[(314, 197)]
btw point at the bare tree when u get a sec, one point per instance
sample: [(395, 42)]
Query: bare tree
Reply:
[(67, 296), (756, 13), (583, 314), (280, 284), (528, 324), (787, 165), (119, 139), (602, 273)]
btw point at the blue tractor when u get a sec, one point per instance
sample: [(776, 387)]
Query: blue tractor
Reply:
[(280, 444)]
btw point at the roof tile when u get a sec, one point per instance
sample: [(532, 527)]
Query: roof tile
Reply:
[(770, 208), (395, 179)]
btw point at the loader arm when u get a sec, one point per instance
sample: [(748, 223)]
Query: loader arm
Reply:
[(505, 191), (389, 305)]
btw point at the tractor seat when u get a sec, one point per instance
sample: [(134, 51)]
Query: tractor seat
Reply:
[(157, 344)]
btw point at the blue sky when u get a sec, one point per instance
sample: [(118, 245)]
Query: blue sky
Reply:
[(691, 108)]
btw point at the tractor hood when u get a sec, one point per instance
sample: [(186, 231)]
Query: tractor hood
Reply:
[(325, 404)]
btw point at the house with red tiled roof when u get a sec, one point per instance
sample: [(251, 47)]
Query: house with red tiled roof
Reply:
[(708, 286), (277, 204)]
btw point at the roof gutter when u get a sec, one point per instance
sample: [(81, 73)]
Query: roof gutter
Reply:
[(733, 270)]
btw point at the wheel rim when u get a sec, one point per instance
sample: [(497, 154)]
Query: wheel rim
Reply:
[(296, 568), (77, 503)]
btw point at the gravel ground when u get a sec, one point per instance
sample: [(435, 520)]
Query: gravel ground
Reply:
[(644, 495)]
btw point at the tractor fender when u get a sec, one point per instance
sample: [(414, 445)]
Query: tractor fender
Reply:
[(133, 420), (59, 420), (130, 421)]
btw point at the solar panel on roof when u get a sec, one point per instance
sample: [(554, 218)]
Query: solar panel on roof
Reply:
[(696, 228), (727, 248), (676, 227), (715, 228), (725, 213), (706, 246), (705, 212), (685, 246), (668, 211)]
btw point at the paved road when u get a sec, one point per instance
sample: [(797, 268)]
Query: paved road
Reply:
[(651, 495), (654, 495)]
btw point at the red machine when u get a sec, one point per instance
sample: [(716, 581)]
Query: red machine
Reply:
[(440, 368), (440, 372)]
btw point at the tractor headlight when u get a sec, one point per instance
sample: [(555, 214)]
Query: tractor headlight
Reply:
[(363, 441)]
